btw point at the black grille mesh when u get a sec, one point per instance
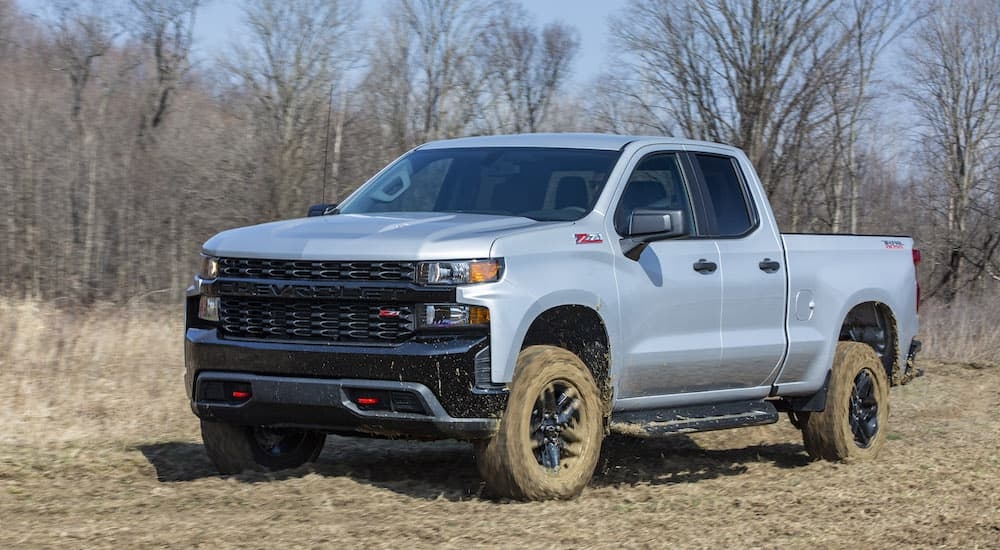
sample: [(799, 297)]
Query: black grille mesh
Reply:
[(314, 321), (309, 270)]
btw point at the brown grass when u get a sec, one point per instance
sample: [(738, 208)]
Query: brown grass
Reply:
[(966, 331), (99, 449), (111, 372)]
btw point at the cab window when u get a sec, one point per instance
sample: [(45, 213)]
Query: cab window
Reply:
[(655, 183), (727, 199)]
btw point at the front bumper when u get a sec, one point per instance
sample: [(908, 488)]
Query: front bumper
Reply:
[(316, 387)]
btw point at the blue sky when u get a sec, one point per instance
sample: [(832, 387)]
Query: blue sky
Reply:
[(219, 23)]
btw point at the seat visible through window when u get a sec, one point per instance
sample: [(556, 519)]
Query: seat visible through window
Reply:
[(571, 191)]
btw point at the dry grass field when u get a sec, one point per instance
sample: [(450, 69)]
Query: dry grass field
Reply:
[(98, 449)]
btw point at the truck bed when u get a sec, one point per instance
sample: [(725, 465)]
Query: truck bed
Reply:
[(827, 272)]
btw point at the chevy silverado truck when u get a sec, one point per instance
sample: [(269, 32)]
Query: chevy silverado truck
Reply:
[(533, 293)]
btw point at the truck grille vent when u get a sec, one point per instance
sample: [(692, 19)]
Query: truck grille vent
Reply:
[(307, 270), (314, 321)]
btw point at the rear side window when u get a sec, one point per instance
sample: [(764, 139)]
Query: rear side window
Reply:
[(727, 197)]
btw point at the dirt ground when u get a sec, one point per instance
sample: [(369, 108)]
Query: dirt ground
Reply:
[(150, 484)]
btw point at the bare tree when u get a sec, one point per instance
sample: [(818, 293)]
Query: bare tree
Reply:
[(83, 33), (526, 67), (448, 76), (425, 77), (388, 85), (954, 63), (297, 52), (165, 27), (737, 71), (871, 25)]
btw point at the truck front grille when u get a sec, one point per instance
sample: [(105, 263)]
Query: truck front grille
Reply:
[(309, 270), (282, 319)]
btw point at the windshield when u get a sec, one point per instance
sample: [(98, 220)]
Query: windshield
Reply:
[(540, 183)]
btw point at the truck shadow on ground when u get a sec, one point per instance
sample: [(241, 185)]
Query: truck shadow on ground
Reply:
[(679, 459), (446, 469)]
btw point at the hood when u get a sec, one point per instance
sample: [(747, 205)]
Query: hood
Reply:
[(392, 236)]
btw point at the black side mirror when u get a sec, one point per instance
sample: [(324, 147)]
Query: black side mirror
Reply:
[(322, 210), (646, 225)]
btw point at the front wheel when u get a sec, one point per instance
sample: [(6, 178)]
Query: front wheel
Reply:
[(234, 449), (550, 435), (853, 425)]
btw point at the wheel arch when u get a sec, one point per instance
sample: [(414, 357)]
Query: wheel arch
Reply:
[(869, 321), (874, 323), (580, 330)]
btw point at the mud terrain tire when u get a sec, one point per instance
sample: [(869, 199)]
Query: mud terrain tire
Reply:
[(854, 423), (234, 449), (550, 434)]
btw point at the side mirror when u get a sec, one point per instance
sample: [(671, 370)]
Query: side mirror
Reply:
[(647, 221), (322, 210), (646, 225)]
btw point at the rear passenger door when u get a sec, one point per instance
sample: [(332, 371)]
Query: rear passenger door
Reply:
[(752, 269)]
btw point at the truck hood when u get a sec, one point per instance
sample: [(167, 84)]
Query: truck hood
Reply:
[(392, 236)]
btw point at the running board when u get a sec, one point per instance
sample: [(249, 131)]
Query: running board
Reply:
[(702, 418)]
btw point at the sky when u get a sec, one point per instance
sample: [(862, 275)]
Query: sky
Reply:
[(218, 24)]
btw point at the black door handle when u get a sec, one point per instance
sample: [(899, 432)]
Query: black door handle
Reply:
[(769, 266), (705, 267)]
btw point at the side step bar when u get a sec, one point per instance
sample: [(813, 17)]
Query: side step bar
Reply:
[(703, 418)]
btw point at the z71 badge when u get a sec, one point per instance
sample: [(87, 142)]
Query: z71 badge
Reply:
[(589, 238)]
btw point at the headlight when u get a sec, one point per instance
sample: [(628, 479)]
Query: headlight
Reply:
[(459, 272), (208, 304), (451, 316), (209, 268)]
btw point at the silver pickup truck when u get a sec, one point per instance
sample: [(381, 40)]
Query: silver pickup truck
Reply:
[(534, 293)]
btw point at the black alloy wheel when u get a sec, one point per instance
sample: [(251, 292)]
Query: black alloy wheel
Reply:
[(549, 438), (864, 410), (234, 448), (853, 423), (554, 420)]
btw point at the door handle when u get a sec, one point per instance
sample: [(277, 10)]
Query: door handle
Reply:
[(769, 266), (705, 267)]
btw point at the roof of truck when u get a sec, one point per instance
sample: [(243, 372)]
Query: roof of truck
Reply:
[(611, 142)]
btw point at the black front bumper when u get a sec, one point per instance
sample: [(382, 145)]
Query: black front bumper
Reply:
[(317, 387)]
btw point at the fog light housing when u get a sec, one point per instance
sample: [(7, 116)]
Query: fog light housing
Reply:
[(451, 316), (208, 308)]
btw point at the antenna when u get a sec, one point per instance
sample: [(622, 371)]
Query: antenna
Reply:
[(326, 143)]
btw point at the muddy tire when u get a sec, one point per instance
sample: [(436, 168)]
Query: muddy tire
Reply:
[(854, 423), (234, 449), (550, 434)]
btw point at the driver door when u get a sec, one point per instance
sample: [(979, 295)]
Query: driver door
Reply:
[(671, 298)]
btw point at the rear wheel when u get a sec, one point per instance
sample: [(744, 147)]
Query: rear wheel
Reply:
[(853, 425), (550, 434), (234, 449)]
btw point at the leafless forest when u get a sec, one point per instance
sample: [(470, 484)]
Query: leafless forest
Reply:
[(119, 154)]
